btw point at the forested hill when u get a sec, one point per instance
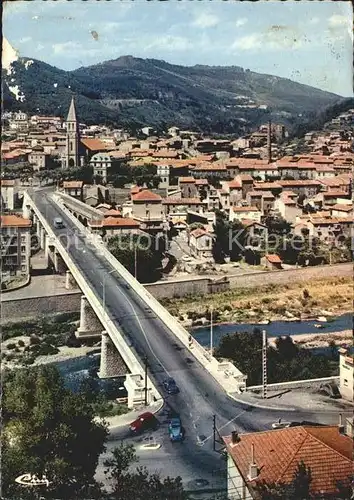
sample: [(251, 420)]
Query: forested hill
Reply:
[(134, 91)]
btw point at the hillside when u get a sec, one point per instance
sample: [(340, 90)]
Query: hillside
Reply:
[(133, 91)]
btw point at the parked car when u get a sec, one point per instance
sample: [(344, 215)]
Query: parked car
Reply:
[(145, 421), (175, 429), (281, 425), (170, 386)]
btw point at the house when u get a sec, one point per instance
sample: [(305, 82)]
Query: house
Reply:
[(273, 457), (163, 171), (114, 226), (148, 210), (342, 210), (95, 194), (287, 206), (346, 373), (38, 158), (101, 164), (201, 243), (74, 189), (8, 195), (15, 245), (188, 187), (246, 212), (172, 205), (307, 187), (272, 261)]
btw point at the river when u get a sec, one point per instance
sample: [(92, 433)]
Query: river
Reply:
[(274, 329)]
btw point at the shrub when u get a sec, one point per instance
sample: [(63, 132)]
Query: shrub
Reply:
[(266, 300), (306, 294), (34, 340), (47, 349), (21, 343), (11, 345)]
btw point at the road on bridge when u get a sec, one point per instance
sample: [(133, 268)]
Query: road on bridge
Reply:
[(200, 396)]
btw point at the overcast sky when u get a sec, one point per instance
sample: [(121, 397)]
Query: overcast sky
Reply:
[(307, 41)]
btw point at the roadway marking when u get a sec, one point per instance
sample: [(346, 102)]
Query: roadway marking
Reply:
[(142, 329), (202, 442)]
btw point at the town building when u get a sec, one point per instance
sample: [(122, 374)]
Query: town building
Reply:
[(8, 194), (15, 245), (114, 226), (201, 243), (101, 164), (74, 189), (346, 373), (273, 457)]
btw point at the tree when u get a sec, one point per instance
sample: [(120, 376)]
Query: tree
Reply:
[(298, 489), (139, 484), (147, 250), (48, 430), (230, 238), (277, 225)]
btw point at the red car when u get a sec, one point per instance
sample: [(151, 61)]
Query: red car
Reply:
[(144, 422)]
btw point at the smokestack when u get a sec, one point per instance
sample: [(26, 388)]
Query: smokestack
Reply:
[(235, 438), (269, 142), (340, 424), (253, 469)]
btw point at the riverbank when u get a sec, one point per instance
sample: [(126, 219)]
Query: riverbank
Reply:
[(323, 297), (315, 341)]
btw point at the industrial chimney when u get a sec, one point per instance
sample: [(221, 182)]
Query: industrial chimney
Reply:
[(269, 142), (253, 469)]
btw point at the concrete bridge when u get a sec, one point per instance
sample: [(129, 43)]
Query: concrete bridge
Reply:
[(79, 209), (136, 330)]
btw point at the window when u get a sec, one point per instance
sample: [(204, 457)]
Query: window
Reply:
[(346, 382), (71, 146), (23, 248)]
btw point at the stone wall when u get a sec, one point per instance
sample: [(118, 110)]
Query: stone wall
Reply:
[(34, 306), (19, 309), (296, 384)]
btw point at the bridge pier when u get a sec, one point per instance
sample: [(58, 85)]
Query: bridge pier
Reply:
[(59, 264), (134, 383), (26, 211), (42, 238), (112, 364), (70, 282), (90, 326)]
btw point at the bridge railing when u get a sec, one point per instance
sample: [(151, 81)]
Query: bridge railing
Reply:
[(117, 336), (227, 374)]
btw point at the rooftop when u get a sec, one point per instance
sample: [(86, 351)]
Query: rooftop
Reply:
[(14, 221), (324, 450), (146, 195)]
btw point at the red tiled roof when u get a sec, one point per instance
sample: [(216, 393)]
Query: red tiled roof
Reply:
[(14, 221), (198, 232), (121, 222), (113, 213), (7, 182), (182, 201), (299, 183), (201, 182), (267, 185), (273, 258), (342, 207), (245, 209), (277, 454), (235, 184), (183, 180), (72, 184), (95, 144), (146, 195)]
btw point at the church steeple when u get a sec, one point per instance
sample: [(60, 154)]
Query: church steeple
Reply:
[(72, 137), (72, 112)]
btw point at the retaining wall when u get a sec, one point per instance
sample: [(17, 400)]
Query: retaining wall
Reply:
[(296, 384)]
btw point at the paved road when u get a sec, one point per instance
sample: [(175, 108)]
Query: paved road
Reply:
[(200, 396)]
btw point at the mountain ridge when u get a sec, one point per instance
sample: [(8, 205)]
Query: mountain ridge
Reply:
[(131, 91)]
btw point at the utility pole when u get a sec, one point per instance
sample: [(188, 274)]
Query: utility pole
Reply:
[(211, 330), (145, 381), (135, 262), (264, 364)]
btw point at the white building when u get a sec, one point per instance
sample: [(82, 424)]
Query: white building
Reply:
[(102, 164), (7, 194), (346, 374), (163, 171)]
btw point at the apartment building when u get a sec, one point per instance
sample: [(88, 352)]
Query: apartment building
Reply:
[(15, 245)]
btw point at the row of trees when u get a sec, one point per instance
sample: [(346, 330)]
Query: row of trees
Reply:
[(286, 361)]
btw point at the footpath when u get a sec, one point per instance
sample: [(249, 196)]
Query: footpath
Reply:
[(293, 400)]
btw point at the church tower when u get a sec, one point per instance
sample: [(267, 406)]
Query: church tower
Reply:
[(72, 138)]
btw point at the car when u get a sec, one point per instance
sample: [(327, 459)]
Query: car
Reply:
[(175, 430), (281, 425), (145, 421), (170, 386), (58, 223)]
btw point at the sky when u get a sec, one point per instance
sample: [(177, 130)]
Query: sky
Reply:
[(307, 41)]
